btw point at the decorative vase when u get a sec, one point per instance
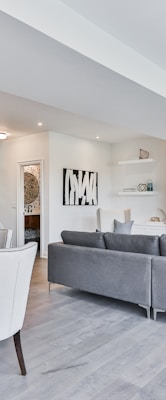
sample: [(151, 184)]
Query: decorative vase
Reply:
[(150, 186)]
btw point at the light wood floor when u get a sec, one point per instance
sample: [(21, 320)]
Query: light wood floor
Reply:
[(79, 346)]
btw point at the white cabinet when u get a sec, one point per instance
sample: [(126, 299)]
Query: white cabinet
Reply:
[(132, 192), (149, 228)]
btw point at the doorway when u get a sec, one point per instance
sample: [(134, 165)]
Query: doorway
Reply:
[(30, 203)]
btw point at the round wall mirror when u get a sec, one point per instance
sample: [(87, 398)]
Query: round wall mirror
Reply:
[(31, 188)]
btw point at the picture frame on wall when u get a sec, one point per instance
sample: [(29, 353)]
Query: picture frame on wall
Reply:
[(80, 187)]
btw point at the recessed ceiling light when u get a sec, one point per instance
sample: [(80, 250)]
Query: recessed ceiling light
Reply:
[(40, 123), (3, 135), (97, 137)]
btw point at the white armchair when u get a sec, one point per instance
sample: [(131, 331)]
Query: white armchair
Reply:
[(5, 238), (105, 218), (16, 266)]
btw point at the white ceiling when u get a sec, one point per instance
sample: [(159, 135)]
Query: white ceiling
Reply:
[(43, 79), (138, 23)]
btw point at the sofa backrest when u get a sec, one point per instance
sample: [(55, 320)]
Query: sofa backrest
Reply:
[(145, 244), (87, 239)]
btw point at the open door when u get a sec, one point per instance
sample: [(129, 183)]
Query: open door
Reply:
[(30, 203)]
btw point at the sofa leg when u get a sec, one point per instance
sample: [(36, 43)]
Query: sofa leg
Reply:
[(155, 311), (147, 308)]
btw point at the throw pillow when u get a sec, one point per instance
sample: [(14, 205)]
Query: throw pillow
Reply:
[(122, 227)]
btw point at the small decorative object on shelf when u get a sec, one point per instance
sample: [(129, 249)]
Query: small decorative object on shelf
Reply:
[(143, 154), (163, 214), (150, 185), (132, 189), (155, 219), (142, 187)]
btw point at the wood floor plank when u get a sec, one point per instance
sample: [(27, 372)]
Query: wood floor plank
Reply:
[(78, 346)]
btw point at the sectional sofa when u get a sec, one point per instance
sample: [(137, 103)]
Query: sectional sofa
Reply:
[(122, 266)]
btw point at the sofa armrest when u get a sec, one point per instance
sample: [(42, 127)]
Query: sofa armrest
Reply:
[(159, 283)]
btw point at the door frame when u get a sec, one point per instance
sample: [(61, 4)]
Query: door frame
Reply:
[(20, 203)]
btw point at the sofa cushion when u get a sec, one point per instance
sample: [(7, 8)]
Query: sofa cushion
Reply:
[(87, 239), (162, 241), (122, 227), (144, 244)]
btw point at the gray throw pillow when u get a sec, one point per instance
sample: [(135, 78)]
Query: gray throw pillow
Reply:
[(122, 227)]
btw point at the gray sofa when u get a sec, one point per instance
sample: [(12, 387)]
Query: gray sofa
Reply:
[(126, 267)]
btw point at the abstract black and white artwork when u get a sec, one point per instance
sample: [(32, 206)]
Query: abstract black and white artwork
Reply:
[(80, 188)]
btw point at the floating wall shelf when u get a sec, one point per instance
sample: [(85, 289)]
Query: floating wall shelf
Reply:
[(136, 161), (137, 193)]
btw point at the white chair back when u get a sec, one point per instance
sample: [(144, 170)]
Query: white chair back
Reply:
[(105, 218), (5, 238), (16, 266)]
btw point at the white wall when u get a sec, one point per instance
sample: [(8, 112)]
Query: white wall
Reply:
[(57, 152), (70, 152), (61, 151), (130, 176), (27, 148)]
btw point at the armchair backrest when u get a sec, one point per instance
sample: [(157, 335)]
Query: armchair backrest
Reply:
[(16, 266), (105, 218), (5, 238)]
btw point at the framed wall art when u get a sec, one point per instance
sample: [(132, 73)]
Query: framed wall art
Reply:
[(80, 188)]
